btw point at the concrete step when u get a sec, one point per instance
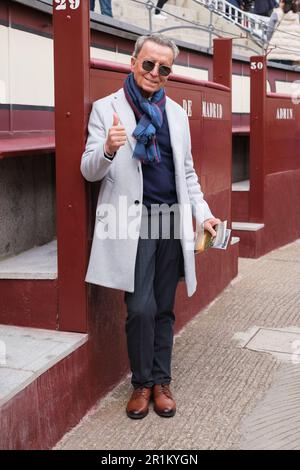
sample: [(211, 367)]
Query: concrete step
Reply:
[(247, 226), (37, 263), (39, 382), (252, 238), (27, 353), (29, 288), (241, 186)]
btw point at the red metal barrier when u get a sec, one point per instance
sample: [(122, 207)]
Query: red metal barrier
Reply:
[(257, 137), (274, 195), (282, 134)]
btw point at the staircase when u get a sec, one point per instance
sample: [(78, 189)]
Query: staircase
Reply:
[(253, 24)]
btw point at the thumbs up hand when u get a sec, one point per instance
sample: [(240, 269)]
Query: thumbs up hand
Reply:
[(116, 119), (116, 136)]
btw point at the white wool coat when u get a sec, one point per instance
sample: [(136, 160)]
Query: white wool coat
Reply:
[(112, 260)]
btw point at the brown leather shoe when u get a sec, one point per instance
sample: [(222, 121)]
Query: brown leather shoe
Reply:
[(138, 405), (164, 404)]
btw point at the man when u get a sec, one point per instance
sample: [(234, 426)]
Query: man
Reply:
[(236, 4), (283, 34), (264, 7), (139, 146), (105, 7), (158, 10)]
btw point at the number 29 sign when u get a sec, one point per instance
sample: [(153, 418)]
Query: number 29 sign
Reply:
[(62, 4)]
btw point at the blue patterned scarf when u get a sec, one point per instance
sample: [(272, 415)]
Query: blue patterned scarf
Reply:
[(150, 119)]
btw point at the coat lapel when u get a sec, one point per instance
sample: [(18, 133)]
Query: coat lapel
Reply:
[(175, 129), (126, 115)]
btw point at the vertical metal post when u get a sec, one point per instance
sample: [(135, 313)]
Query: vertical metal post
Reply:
[(210, 30), (257, 137), (222, 73), (149, 6), (222, 61), (71, 66)]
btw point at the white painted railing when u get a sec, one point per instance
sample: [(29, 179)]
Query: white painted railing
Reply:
[(255, 25)]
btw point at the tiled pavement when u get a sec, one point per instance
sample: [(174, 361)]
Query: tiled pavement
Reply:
[(235, 377)]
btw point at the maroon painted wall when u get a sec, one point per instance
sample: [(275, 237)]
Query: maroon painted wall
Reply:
[(281, 216), (282, 151), (13, 116), (26, 302), (274, 193)]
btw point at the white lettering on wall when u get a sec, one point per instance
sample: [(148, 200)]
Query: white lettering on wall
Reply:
[(212, 110), (187, 106), (285, 113), (256, 65), (62, 5)]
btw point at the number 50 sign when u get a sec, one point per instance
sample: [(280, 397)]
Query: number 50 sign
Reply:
[(62, 4)]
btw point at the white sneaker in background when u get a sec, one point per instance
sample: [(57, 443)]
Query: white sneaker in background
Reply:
[(160, 16)]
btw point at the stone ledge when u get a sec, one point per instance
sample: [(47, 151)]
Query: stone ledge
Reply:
[(26, 353), (37, 263)]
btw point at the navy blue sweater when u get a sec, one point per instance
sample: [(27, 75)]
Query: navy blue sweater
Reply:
[(159, 178)]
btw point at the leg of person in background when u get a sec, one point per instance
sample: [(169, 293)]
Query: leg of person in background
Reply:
[(236, 4), (157, 12), (92, 5), (105, 6)]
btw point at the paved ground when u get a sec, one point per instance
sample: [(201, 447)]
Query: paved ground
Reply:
[(228, 396)]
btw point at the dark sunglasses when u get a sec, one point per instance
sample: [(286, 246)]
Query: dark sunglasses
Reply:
[(163, 70)]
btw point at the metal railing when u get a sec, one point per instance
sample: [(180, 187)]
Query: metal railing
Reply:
[(210, 29), (255, 25), (251, 25)]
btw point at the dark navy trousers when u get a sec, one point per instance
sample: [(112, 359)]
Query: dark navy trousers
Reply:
[(160, 4), (150, 316)]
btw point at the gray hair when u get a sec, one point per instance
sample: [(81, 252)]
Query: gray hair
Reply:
[(158, 39)]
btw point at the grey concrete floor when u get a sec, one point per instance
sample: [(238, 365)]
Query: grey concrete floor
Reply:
[(228, 396)]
